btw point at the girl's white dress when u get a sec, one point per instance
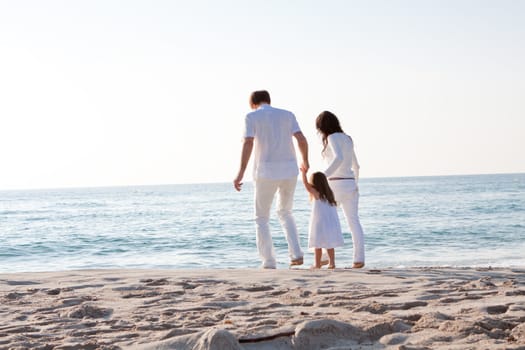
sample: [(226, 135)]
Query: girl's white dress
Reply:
[(325, 228)]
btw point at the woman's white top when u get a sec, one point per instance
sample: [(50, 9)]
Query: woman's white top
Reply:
[(340, 156), (325, 228)]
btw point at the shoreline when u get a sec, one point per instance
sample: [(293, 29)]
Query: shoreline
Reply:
[(413, 308)]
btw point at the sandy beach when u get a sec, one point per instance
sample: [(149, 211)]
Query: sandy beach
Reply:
[(441, 308)]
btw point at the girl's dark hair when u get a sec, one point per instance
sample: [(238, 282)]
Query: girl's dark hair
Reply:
[(260, 96), (327, 124), (320, 183)]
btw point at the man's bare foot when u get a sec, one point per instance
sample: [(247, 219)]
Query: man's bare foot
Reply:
[(358, 265), (295, 262)]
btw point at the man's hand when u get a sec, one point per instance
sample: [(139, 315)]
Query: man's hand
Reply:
[(305, 166), (237, 183), (303, 149), (247, 147)]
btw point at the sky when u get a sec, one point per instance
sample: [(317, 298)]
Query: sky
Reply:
[(111, 93)]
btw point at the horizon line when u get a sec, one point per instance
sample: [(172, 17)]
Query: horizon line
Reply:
[(225, 182)]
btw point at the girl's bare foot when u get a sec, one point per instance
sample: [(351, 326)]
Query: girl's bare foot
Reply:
[(331, 267)]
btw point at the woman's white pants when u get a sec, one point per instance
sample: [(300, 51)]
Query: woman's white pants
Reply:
[(346, 195)]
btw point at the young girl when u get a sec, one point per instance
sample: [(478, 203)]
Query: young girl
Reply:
[(325, 229)]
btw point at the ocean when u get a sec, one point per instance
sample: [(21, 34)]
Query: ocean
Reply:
[(459, 221)]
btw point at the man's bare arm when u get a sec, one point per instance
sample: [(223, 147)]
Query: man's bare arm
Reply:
[(303, 149), (247, 148)]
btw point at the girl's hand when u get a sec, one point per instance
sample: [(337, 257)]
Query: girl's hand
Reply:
[(303, 170)]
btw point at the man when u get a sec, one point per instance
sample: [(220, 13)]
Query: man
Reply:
[(270, 132)]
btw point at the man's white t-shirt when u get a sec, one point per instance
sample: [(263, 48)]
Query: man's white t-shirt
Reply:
[(274, 152)]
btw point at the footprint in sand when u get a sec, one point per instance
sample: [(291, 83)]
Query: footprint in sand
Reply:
[(378, 308), (409, 305), (144, 294), (497, 309), (15, 296), (157, 282), (510, 293), (253, 288), (55, 291), (89, 311), (279, 292), (73, 301), (373, 308), (20, 283)]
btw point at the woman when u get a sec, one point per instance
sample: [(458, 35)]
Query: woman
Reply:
[(343, 174)]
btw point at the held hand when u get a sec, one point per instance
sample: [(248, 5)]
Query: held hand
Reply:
[(305, 166)]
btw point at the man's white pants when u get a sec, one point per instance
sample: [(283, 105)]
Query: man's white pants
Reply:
[(265, 190), (347, 196)]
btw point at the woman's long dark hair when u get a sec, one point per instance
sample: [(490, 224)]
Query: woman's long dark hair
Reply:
[(320, 183), (327, 124)]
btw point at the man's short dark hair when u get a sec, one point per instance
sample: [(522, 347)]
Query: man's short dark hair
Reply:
[(260, 96)]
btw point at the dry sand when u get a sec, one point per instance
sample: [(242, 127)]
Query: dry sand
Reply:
[(440, 308)]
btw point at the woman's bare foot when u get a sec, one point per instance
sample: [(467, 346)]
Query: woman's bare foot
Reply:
[(358, 265)]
